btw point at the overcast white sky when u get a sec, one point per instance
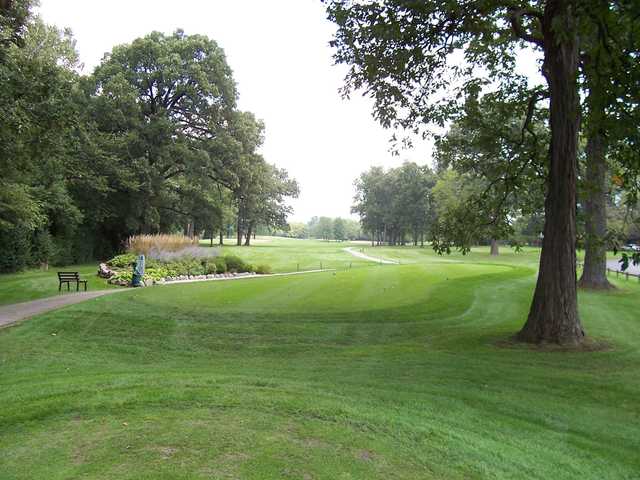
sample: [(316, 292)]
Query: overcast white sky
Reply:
[(279, 53)]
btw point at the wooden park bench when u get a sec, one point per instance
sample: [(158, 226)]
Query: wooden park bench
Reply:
[(68, 277)]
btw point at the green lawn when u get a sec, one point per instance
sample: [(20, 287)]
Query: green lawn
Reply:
[(281, 254), (370, 373), (289, 255), (34, 284)]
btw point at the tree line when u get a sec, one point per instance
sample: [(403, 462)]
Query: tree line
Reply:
[(151, 141), (396, 204), (326, 228), (451, 65)]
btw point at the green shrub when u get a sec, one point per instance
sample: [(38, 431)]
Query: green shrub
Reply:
[(43, 247), (221, 265), (263, 269), (152, 263), (156, 273), (15, 244), (235, 264), (122, 261), (158, 269), (209, 266), (123, 275), (192, 266)]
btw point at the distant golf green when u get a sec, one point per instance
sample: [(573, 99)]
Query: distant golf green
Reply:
[(290, 255), (376, 372)]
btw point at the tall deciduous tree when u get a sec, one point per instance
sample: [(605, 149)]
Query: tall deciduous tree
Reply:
[(38, 119), (395, 204), (500, 143), (401, 53), (610, 74), (324, 228), (264, 199), (158, 103), (339, 229)]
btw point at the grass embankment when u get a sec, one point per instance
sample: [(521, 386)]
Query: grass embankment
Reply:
[(380, 372)]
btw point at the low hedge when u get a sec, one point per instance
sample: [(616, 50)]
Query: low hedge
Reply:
[(236, 264), (263, 269)]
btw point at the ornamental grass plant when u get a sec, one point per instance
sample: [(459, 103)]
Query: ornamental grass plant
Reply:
[(143, 244)]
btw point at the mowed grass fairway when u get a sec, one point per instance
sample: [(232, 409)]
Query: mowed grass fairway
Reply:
[(374, 372), (289, 255)]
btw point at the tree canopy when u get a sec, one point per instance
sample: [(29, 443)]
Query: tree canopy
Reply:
[(422, 61), (395, 203), (150, 141)]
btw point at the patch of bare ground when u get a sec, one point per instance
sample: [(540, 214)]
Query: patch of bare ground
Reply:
[(81, 452), (167, 452), (225, 466), (311, 442), (234, 457), (366, 455)]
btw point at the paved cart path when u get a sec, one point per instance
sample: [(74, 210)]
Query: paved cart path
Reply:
[(19, 311), (614, 265), (372, 259)]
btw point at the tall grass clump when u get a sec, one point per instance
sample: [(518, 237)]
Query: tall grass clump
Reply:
[(143, 244)]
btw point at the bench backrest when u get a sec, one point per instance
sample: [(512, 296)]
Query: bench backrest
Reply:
[(68, 276)]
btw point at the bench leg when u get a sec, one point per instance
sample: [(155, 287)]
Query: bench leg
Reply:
[(85, 286), (59, 286), (68, 286)]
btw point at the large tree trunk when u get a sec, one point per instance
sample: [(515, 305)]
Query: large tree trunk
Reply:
[(247, 241), (594, 274), (495, 250), (221, 242), (553, 316), (239, 231)]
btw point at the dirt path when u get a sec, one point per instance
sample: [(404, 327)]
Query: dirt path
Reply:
[(19, 311), (372, 259)]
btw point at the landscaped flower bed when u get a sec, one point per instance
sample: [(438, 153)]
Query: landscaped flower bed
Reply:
[(193, 263)]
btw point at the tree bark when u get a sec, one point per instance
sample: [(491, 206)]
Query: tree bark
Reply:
[(247, 241), (221, 241), (553, 316), (594, 274), (495, 250), (239, 231)]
